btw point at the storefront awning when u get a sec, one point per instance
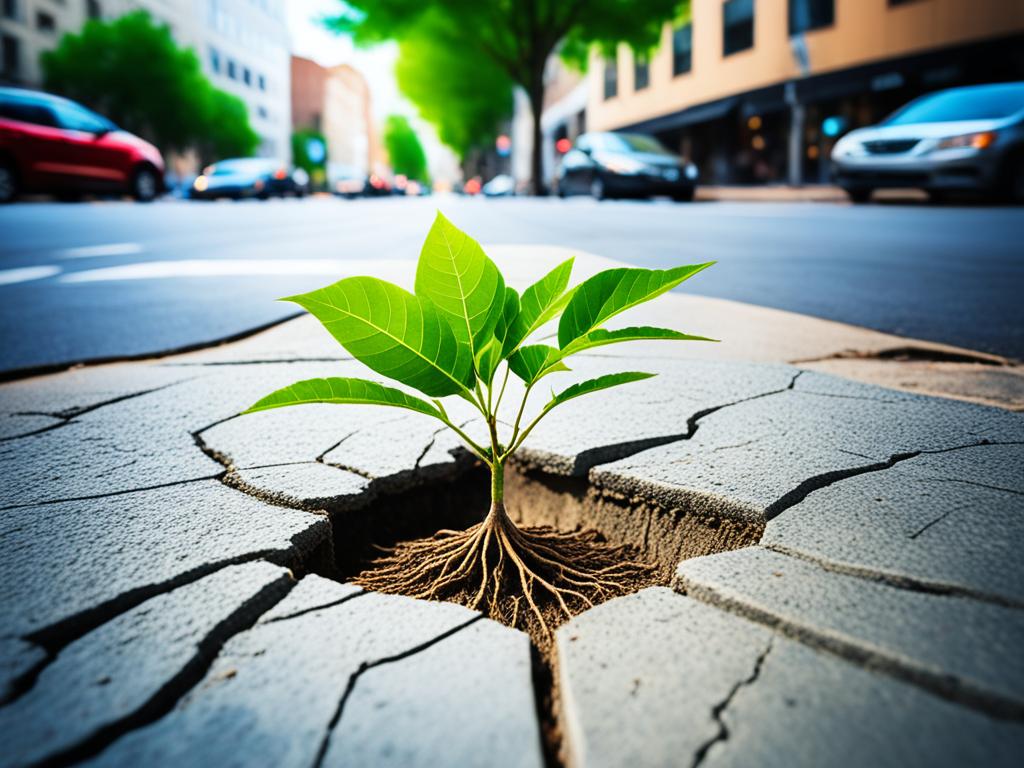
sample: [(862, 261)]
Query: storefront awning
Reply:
[(702, 113)]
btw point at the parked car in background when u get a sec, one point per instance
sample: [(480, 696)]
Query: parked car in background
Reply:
[(967, 139), (377, 186), (245, 177), (501, 185), (55, 145), (345, 180), (624, 165)]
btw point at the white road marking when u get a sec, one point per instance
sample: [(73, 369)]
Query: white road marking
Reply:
[(94, 251), (23, 275), (211, 268)]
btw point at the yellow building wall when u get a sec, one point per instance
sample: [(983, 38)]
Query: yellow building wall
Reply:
[(864, 31)]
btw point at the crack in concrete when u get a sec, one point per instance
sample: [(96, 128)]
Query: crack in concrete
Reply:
[(586, 460), (57, 636), (825, 479), (321, 607), (911, 353), (68, 415), (896, 580), (367, 666), (719, 709), (171, 692), (958, 690), (111, 494)]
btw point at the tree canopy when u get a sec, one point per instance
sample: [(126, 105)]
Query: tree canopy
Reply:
[(464, 99), (404, 148), (516, 36), (132, 71)]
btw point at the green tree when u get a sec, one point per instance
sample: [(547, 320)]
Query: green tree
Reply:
[(131, 70), (464, 100), (404, 149), (517, 36)]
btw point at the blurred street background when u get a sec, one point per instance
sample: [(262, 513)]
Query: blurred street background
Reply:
[(273, 141)]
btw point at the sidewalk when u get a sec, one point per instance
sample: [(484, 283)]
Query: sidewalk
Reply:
[(842, 580)]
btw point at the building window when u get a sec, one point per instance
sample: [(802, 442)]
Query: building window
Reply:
[(46, 23), (805, 15), (247, 76), (682, 49), (737, 26), (215, 61), (262, 81), (232, 70), (10, 8), (262, 112), (10, 56), (641, 71), (611, 77), (93, 9)]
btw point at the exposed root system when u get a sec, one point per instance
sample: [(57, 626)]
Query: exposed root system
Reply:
[(529, 578)]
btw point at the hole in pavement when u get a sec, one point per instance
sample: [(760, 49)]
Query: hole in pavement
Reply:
[(660, 535)]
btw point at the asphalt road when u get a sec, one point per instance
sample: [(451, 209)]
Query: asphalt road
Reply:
[(110, 279)]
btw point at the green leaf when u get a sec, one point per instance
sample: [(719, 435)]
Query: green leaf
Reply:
[(540, 303), (487, 360), (398, 335), (509, 314), (600, 337), (595, 385), (533, 362), (608, 293), (345, 391), (465, 285)]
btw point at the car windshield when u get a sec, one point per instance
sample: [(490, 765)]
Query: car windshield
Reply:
[(990, 102), (629, 142), (246, 165)]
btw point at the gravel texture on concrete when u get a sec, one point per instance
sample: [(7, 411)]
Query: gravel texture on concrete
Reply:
[(163, 600)]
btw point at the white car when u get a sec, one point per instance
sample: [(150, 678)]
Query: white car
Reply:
[(967, 139)]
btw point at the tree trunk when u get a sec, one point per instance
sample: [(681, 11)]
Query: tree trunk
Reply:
[(537, 156)]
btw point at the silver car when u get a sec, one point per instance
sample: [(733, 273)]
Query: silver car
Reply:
[(959, 140)]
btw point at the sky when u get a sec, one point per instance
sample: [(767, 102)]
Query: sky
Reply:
[(310, 40)]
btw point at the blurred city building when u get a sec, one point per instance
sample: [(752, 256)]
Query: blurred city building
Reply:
[(243, 46), (760, 90), (336, 102)]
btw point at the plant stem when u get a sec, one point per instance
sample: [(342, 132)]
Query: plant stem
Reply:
[(497, 484)]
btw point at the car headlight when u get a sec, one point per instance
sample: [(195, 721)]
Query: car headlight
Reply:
[(200, 184), (691, 171), (623, 165), (981, 140), (847, 147)]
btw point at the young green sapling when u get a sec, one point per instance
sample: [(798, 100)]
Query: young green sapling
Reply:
[(461, 333)]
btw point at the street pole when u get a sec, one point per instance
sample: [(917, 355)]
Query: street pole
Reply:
[(797, 111)]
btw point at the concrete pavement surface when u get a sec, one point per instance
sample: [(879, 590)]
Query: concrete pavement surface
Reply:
[(102, 280), (842, 581)]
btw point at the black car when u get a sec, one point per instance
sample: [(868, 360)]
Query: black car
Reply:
[(624, 165), (250, 177)]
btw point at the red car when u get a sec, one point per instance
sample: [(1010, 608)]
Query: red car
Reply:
[(52, 144)]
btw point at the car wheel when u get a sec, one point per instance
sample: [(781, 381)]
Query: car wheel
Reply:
[(145, 184), (560, 190), (8, 183), (597, 189), (937, 197), (683, 197), (859, 194)]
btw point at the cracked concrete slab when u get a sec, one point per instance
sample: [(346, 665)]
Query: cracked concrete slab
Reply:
[(274, 695), (68, 559), (132, 666), (948, 519), (620, 422), (659, 679), (809, 709), (954, 646), (638, 677), (309, 485), (763, 455)]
